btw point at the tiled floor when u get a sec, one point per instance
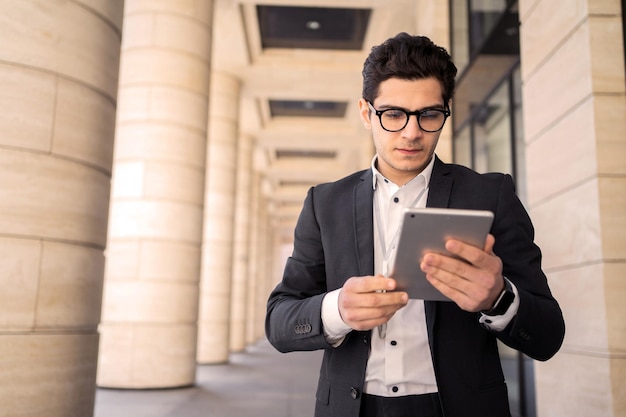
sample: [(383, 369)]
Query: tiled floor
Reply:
[(260, 382)]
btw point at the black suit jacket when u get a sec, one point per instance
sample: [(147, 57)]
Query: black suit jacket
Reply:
[(334, 241)]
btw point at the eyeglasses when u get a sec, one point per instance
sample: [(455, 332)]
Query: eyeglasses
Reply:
[(394, 120)]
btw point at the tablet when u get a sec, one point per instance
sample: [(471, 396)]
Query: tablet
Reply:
[(426, 230)]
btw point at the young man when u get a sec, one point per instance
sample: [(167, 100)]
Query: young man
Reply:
[(386, 355)]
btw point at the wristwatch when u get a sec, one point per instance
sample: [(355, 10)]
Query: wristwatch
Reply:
[(504, 301)]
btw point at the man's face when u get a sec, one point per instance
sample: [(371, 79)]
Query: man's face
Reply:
[(404, 154)]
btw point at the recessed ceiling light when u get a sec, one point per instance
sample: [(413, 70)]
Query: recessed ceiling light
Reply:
[(313, 25)]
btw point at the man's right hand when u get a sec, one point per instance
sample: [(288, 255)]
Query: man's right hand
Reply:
[(367, 302)]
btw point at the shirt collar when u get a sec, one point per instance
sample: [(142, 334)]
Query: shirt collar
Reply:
[(377, 176)]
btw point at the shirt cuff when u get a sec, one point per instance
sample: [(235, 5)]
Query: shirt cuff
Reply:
[(499, 323), (335, 330)]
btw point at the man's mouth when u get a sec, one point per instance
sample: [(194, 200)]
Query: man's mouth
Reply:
[(408, 150)]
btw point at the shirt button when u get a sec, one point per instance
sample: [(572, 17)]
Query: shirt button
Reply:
[(393, 343), (396, 199), (394, 389)]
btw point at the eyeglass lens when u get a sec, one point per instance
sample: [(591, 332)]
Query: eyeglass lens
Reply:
[(430, 120)]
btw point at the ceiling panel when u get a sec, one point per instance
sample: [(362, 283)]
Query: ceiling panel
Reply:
[(312, 27)]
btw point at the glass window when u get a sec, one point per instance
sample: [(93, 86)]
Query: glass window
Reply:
[(462, 147), (510, 366), (519, 158), (492, 133), (488, 130), (484, 16), (460, 34), (491, 139)]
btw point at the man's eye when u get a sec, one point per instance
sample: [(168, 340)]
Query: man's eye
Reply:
[(393, 114), (430, 114)]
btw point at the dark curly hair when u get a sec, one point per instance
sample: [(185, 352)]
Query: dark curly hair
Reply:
[(410, 58)]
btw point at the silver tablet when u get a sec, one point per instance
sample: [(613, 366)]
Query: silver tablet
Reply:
[(426, 230)]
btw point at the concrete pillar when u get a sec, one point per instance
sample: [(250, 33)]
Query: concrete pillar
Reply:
[(241, 244), (58, 81), (266, 258), (217, 249), (262, 254), (574, 105), (253, 267), (155, 231)]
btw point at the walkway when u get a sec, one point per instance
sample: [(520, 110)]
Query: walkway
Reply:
[(259, 382)]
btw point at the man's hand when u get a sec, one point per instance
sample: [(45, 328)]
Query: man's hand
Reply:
[(473, 285), (366, 302)]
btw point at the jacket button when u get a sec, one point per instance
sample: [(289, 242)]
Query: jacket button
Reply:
[(354, 393), (302, 328)]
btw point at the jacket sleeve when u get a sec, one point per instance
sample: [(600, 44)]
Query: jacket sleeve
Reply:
[(538, 328), (293, 319)]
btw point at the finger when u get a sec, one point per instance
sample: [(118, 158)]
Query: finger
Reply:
[(370, 284), (464, 301), (464, 284), (482, 259), (375, 300), (447, 272), (452, 271), (470, 253), (361, 310)]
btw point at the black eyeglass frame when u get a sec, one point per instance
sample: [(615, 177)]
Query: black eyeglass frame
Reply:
[(416, 113)]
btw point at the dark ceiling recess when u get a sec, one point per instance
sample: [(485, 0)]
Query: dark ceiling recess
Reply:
[(312, 27), (307, 108), (300, 153)]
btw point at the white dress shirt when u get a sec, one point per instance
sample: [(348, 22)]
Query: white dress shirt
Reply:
[(400, 362)]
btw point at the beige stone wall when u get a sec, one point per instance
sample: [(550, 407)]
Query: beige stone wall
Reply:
[(58, 78), (574, 107)]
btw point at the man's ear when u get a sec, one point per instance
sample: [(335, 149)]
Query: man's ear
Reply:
[(365, 113)]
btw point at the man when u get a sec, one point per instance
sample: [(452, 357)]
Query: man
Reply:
[(386, 355)]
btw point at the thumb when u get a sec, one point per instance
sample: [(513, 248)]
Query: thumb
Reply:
[(489, 243)]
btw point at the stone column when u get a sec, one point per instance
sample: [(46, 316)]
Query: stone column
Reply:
[(241, 244), (262, 256), (574, 106), (253, 265), (153, 257), (266, 260), (58, 82), (217, 248)]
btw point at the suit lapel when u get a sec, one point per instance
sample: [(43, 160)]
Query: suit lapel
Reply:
[(364, 224), (440, 185), (440, 188)]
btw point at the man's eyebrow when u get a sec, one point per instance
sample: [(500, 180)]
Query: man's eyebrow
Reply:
[(438, 106)]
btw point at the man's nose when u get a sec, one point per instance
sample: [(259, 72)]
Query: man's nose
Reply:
[(412, 128)]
